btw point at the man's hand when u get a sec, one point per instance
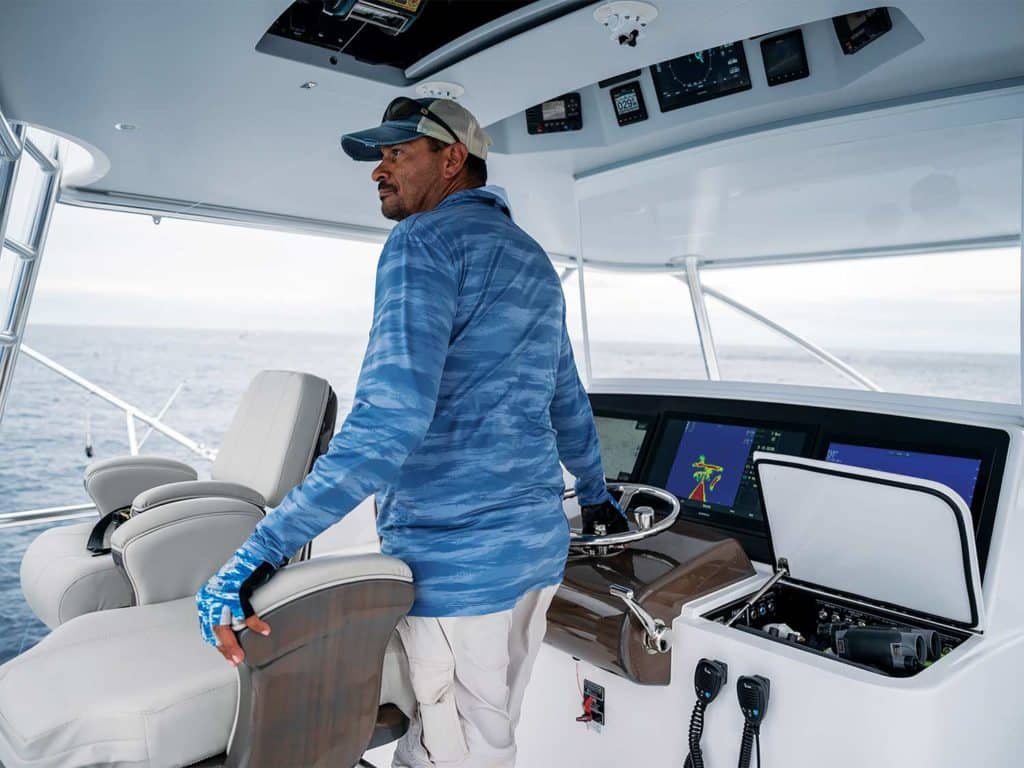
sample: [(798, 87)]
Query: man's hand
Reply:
[(224, 600), (607, 514), (227, 640)]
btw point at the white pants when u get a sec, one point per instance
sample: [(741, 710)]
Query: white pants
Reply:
[(469, 675)]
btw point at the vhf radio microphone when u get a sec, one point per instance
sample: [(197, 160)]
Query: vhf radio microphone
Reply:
[(708, 679), (752, 693)]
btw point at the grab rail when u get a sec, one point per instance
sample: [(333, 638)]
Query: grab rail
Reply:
[(131, 411), (46, 515)]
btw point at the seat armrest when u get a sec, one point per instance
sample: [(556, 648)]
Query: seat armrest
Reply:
[(300, 579), (113, 483), (195, 489), (172, 550)]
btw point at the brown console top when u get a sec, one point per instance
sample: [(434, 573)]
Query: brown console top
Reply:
[(664, 571)]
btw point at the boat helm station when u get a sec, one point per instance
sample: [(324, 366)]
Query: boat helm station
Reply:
[(812, 574)]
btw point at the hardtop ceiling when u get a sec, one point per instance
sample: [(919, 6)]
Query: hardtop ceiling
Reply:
[(220, 123)]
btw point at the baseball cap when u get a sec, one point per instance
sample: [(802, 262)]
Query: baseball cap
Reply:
[(406, 119)]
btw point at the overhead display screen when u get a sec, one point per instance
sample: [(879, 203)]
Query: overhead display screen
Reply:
[(621, 441), (708, 465), (564, 113), (628, 101), (959, 473), (701, 76), (855, 30), (784, 57)]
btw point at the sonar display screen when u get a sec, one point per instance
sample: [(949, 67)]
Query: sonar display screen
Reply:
[(621, 441), (959, 473), (711, 469)]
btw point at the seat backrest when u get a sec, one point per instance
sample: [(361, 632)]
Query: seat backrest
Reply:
[(309, 692), (284, 421)]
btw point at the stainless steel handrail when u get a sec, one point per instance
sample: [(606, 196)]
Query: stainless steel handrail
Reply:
[(131, 411), (46, 515)]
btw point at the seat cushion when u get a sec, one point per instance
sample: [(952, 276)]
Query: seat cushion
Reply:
[(128, 687), (132, 688), (61, 579)]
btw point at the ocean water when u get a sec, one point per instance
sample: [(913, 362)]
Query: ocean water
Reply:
[(44, 431)]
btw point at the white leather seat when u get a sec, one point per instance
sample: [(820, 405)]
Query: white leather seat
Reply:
[(127, 687), (137, 687), (283, 422)]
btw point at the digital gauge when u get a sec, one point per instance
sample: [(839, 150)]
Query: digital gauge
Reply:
[(701, 76), (564, 113), (628, 102)]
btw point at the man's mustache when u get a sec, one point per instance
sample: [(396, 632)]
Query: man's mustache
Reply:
[(381, 187)]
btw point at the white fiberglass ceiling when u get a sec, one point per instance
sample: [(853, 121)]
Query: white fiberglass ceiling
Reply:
[(900, 181), (219, 123)]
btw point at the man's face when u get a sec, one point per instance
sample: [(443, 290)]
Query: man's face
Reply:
[(410, 178)]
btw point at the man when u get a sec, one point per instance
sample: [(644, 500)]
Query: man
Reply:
[(467, 399)]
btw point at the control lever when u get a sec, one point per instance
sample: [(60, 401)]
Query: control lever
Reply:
[(657, 635)]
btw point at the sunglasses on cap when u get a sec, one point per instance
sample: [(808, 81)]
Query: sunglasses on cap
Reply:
[(403, 108)]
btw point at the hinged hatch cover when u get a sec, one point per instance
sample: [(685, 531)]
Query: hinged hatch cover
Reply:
[(888, 539)]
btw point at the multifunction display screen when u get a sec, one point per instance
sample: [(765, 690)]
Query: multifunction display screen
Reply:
[(701, 76), (564, 113), (855, 30), (959, 473), (621, 441), (628, 101), (711, 469), (784, 57)]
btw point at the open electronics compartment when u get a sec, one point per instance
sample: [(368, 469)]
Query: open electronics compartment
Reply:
[(872, 568), (815, 616)]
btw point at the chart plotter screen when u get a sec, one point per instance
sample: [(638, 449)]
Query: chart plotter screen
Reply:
[(701, 76), (621, 441), (710, 468), (959, 473)]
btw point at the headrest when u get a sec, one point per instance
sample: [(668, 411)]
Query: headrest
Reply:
[(283, 423)]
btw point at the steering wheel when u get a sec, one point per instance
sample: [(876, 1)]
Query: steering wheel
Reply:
[(644, 519)]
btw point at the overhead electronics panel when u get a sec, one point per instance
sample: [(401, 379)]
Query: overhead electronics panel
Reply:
[(785, 58), (381, 39), (563, 113), (628, 102), (701, 76), (855, 30)]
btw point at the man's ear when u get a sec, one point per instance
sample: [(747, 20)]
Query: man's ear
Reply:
[(455, 160)]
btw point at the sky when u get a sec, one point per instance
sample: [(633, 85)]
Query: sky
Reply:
[(108, 268)]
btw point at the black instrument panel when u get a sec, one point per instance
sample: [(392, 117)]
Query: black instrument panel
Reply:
[(701, 76), (855, 30), (700, 448), (628, 103), (562, 113), (785, 58)]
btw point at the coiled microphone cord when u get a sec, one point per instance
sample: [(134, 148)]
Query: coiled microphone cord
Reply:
[(696, 758), (708, 679), (751, 739)]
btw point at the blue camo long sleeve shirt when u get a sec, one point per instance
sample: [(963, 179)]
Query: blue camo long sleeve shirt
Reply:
[(467, 399)]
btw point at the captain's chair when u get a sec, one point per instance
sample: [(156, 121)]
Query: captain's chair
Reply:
[(137, 687), (283, 423)]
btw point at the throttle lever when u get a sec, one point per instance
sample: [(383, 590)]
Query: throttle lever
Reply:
[(657, 635)]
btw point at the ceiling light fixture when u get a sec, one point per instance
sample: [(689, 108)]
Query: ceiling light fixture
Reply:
[(125, 126), (308, 85)]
